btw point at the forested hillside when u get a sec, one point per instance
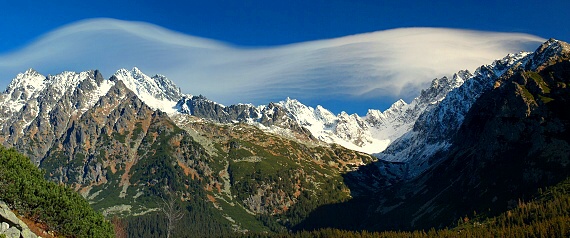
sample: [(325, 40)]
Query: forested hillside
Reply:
[(547, 215)]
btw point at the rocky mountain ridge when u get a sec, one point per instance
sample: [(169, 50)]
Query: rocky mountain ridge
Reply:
[(370, 133), (432, 130)]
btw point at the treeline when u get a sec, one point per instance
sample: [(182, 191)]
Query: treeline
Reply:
[(24, 188), (546, 216)]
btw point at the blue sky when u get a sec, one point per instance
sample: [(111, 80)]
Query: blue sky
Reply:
[(262, 22), (257, 24)]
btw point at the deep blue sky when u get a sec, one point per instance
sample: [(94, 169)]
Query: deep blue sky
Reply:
[(263, 22), (255, 23)]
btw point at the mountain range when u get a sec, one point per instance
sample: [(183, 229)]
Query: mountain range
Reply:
[(469, 142), (377, 68)]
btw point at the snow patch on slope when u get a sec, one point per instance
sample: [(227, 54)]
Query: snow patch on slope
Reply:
[(101, 90), (350, 131)]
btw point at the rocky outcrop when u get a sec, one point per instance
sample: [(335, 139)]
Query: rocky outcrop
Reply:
[(274, 114), (11, 225)]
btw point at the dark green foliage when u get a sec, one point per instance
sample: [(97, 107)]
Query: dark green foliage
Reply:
[(24, 188), (54, 161), (546, 216), (137, 131), (158, 171), (119, 137), (151, 225)]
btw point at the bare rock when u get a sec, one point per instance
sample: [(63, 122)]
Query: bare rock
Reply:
[(12, 232)]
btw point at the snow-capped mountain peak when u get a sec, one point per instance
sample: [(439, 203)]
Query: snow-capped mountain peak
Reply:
[(158, 92), (324, 115), (395, 109), (34, 98), (371, 133), (28, 83)]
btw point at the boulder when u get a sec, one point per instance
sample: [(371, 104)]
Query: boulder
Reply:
[(27, 233), (3, 227), (12, 232), (7, 215)]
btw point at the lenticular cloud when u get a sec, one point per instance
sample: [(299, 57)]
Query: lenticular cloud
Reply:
[(386, 64)]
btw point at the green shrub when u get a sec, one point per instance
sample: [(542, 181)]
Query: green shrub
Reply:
[(23, 187)]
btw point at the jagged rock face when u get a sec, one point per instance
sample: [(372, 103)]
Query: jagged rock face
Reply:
[(274, 114), (200, 106), (121, 115), (43, 109), (270, 115)]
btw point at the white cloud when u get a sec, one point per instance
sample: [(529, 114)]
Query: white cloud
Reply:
[(386, 64)]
